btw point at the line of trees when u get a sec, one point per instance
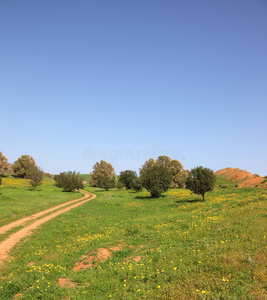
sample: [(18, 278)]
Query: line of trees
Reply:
[(157, 176)]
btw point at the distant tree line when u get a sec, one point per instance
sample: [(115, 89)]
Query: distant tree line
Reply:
[(156, 176)]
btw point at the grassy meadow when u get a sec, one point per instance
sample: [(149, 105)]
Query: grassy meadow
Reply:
[(19, 199), (125, 245)]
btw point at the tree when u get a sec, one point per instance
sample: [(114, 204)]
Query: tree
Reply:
[(179, 174), (3, 163), (200, 180), (127, 177), (69, 181), (36, 176), (137, 185), (22, 165), (103, 175), (156, 180)]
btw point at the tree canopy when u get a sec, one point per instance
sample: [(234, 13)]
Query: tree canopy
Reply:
[(22, 165), (156, 180), (179, 174)]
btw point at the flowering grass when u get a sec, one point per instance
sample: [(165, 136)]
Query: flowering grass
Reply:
[(189, 249)]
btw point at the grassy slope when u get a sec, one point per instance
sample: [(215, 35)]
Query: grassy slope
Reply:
[(193, 250), (18, 199)]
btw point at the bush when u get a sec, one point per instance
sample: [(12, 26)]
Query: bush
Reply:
[(119, 185), (200, 180), (224, 186), (127, 177), (156, 180), (69, 181), (137, 185)]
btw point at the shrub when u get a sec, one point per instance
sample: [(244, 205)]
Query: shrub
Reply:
[(156, 180), (127, 177), (224, 186), (119, 185), (69, 181), (36, 176), (137, 185), (200, 181)]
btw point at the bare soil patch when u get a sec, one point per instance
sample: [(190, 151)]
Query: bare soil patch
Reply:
[(95, 257), (66, 283), (242, 177), (132, 258)]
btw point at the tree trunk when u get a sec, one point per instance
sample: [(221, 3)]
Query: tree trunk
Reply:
[(203, 197)]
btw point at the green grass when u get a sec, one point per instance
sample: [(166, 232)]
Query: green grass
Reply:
[(19, 199), (189, 249)]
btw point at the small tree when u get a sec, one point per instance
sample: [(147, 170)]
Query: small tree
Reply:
[(103, 176), (127, 177), (69, 181), (36, 176), (3, 163), (156, 180), (137, 185), (200, 180), (22, 165)]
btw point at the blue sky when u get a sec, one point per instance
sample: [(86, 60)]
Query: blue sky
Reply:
[(124, 81)]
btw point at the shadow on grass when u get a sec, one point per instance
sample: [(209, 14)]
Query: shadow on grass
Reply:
[(148, 197), (189, 201)]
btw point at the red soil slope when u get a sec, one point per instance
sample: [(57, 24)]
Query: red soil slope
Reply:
[(243, 178)]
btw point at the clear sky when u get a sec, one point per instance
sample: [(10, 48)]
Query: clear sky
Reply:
[(126, 80)]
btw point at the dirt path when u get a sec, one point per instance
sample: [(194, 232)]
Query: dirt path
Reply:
[(17, 223), (13, 239)]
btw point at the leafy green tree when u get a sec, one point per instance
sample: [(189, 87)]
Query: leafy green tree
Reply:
[(156, 180), (35, 174), (22, 165), (127, 177), (179, 174), (3, 163), (200, 180), (137, 185), (69, 181), (103, 176)]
